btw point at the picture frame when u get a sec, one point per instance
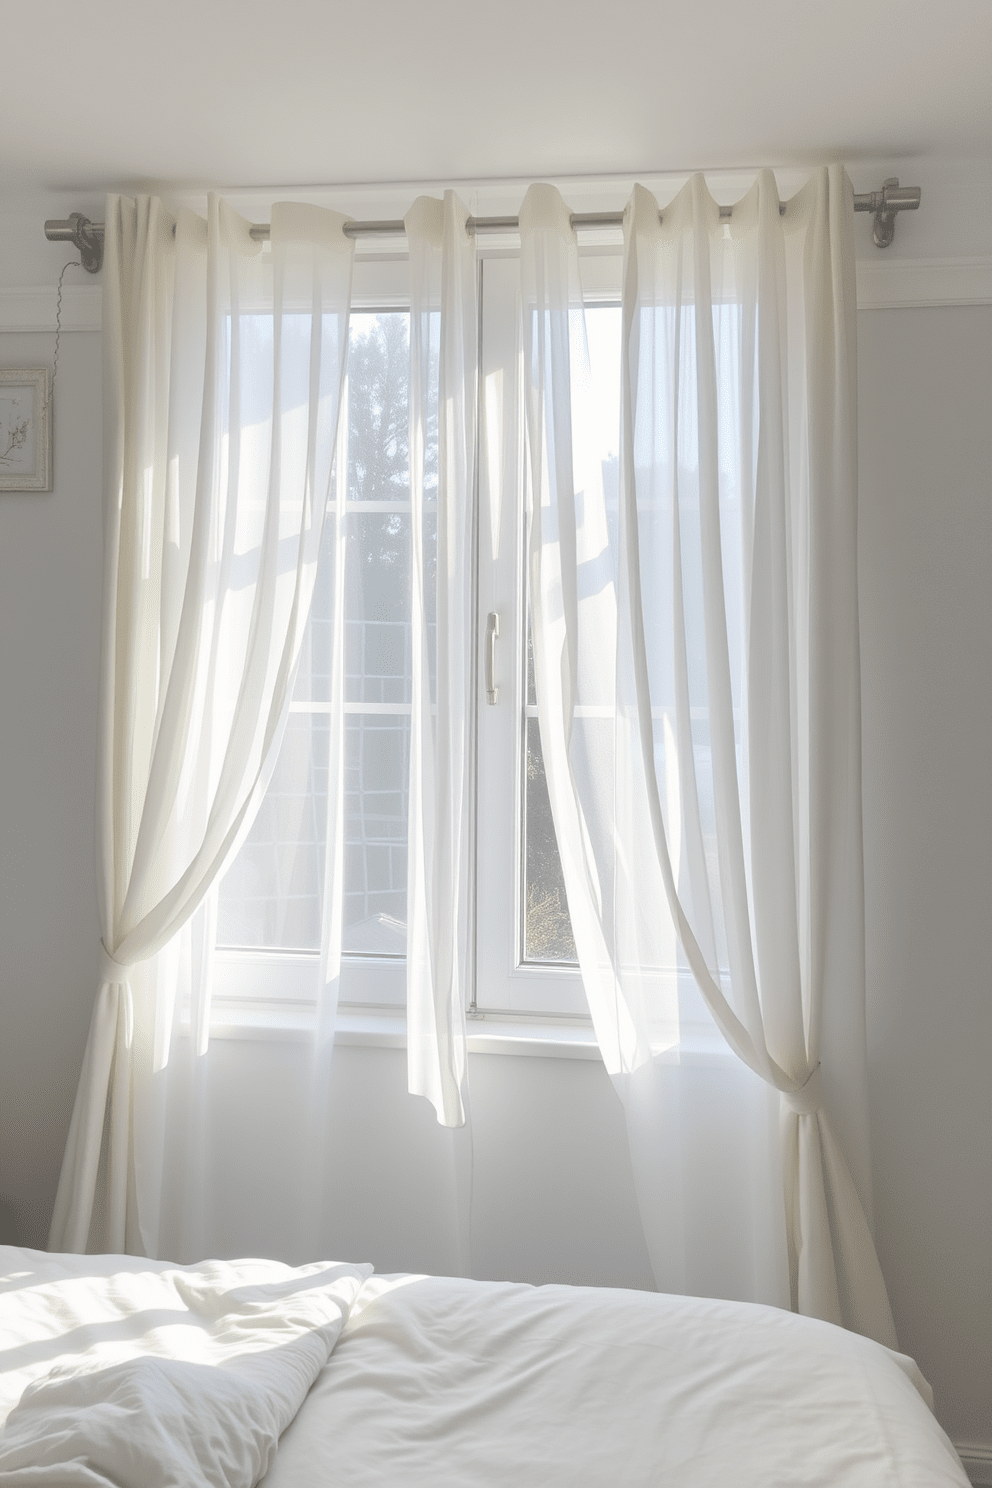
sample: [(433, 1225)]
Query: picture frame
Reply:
[(25, 429)]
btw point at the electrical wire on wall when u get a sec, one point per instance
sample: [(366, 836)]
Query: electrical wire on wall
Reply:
[(73, 263)]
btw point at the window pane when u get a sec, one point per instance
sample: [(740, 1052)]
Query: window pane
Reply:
[(377, 764), (272, 896), (547, 927), (378, 407), (377, 608)]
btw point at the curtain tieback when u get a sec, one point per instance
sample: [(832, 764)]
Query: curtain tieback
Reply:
[(806, 1100), (111, 970)]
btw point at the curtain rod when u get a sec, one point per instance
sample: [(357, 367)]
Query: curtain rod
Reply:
[(87, 236)]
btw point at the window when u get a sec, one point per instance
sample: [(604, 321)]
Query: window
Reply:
[(270, 902)]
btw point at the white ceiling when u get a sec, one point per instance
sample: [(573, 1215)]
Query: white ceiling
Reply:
[(121, 93)]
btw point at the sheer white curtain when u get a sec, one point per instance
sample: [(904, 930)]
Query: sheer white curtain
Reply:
[(223, 374), (443, 393), (698, 696)]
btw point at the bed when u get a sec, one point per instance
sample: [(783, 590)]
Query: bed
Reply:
[(127, 1372)]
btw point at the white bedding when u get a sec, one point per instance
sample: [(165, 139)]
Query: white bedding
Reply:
[(117, 1371), (125, 1373), (475, 1384)]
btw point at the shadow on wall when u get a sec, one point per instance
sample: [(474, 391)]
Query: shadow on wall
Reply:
[(25, 1222)]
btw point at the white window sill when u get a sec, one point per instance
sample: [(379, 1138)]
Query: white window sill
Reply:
[(488, 1033), (270, 998), (374, 1028)]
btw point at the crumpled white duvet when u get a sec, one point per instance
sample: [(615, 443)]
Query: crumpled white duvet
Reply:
[(117, 1372)]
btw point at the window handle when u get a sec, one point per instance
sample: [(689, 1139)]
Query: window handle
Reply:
[(492, 631)]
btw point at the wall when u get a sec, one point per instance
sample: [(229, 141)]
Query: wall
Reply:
[(50, 558), (551, 1190), (926, 546), (553, 1195)]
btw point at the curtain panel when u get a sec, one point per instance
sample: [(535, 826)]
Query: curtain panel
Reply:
[(223, 371), (443, 398), (441, 446), (696, 659)]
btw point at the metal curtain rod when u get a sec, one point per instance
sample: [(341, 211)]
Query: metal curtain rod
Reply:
[(87, 236)]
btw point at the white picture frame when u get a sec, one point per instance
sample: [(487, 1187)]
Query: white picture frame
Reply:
[(25, 429)]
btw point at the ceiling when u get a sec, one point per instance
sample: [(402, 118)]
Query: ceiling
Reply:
[(122, 93)]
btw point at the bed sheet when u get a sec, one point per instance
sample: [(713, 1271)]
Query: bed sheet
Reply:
[(445, 1382)]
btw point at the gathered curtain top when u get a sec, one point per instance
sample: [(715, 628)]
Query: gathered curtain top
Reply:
[(544, 207)]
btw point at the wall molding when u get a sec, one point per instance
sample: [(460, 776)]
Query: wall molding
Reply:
[(882, 285), (903, 283), (976, 1459)]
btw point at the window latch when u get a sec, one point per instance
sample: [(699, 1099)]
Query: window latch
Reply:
[(492, 631)]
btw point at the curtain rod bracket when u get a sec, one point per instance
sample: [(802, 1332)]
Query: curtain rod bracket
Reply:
[(85, 236), (885, 204)]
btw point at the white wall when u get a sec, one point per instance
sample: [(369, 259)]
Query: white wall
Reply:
[(50, 557), (553, 1194), (926, 594)]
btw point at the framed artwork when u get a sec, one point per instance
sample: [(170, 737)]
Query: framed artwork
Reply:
[(25, 430)]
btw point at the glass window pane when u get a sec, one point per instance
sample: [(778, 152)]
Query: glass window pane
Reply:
[(378, 407), (377, 608), (377, 764), (547, 927), (272, 896), (272, 893)]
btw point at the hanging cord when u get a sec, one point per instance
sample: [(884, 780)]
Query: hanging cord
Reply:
[(74, 263)]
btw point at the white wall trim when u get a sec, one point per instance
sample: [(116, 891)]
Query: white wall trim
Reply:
[(26, 310), (905, 282), (891, 285), (976, 1459)]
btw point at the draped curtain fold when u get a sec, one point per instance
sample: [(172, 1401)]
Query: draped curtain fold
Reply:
[(696, 661), (443, 397), (223, 371)]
